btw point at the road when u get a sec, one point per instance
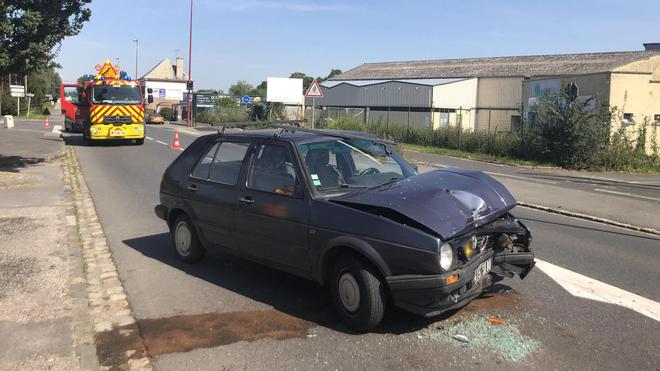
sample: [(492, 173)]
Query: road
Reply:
[(225, 313)]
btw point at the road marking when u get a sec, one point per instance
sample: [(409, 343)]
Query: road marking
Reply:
[(150, 138), (527, 179), (163, 143), (628, 194), (589, 288)]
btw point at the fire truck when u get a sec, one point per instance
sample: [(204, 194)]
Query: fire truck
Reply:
[(105, 108)]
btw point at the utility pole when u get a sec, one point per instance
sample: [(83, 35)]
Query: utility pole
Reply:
[(136, 59), (189, 107)]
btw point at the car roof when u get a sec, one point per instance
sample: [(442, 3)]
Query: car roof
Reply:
[(298, 136)]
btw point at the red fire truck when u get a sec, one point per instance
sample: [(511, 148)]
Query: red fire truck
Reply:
[(106, 108)]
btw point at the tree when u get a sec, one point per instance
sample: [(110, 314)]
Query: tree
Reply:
[(260, 90), (333, 73), (32, 30), (86, 77), (42, 83), (240, 88), (226, 102)]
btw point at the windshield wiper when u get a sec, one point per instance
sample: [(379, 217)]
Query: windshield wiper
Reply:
[(346, 185)]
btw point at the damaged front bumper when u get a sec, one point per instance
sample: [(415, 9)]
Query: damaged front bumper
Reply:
[(430, 295)]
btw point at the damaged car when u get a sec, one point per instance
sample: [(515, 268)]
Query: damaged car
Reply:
[(346, 210)]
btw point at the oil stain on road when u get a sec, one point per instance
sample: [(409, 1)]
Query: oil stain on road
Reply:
[(187, 332)]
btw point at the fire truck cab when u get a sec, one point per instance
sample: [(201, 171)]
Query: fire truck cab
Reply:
[(106, 108)]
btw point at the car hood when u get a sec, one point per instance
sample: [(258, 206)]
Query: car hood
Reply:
[(448, 202)]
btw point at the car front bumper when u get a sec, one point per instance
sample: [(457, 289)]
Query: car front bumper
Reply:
[(431, 295)]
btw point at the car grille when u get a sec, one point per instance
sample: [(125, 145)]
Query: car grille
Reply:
[(484, 243), (116, 119)]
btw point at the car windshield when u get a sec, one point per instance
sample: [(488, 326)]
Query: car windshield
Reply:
[(126, 94), (344, 164)]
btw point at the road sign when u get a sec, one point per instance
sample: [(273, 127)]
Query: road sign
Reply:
[(245, 99), (17, 90), (314, 90)]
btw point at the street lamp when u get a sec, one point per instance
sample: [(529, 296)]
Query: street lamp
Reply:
[(189, 67), (136, 59)]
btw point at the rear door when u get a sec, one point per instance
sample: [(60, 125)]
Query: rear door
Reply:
[(70, 99), (273, 210), (212, 191)]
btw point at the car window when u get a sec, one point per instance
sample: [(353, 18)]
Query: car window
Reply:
[(226, 166), (202, 169), (272, 170)]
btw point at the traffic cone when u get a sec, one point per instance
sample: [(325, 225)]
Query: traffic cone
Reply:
[(176, 144), (46, 125)]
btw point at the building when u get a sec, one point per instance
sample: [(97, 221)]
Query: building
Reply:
[(482, 93), (168, 82)]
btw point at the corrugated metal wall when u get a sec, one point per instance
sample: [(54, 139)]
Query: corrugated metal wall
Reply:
[(387, 94)]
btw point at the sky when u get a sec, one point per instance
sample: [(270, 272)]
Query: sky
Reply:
[(255, 39)]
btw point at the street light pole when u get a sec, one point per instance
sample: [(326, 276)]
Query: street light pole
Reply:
[(189, 107), (136, 59)]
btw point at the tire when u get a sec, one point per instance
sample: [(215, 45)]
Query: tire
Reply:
[(350, 276), (66, 127), (185, 242), (139, 142)]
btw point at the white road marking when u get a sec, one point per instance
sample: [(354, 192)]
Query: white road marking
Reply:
[(150, 138), (589, 288), (527, 179), (628, 194), (163, 143)]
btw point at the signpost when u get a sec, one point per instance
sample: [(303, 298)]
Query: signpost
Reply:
[(246, 100), (17, 91), (314, 91)]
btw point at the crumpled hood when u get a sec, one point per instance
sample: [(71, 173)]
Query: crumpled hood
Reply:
[(447, 201)]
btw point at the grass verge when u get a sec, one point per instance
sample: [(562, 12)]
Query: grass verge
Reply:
[(475, 156)]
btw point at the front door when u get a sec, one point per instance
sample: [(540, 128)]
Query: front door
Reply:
[(70, 99), (212, 192), (273, 212)]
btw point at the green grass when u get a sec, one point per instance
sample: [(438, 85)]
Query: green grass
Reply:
[(33, 116), (474, 156)]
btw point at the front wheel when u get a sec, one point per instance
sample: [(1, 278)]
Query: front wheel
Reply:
[(139, 142), (357, 293), (186, 244)]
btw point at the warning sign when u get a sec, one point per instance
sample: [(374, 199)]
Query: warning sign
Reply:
[(314, 90), (107, 70)]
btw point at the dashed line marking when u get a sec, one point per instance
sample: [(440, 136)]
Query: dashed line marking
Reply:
[(627, 194), (163, 143), (150, 138)]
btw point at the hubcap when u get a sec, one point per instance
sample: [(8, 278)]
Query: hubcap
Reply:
[(182, 239), (349, 292)]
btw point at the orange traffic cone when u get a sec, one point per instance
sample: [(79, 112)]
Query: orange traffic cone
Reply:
[(46, 125), (176, 144)]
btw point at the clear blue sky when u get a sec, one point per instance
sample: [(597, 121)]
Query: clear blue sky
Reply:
[(253, 39)]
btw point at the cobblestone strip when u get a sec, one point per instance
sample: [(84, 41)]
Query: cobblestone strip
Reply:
[(108, 307)]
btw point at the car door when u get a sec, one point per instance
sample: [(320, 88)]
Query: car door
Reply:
[(212, 191), (273, 210), (70, 98)]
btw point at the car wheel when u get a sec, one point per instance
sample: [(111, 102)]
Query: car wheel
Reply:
[(66, 127), (186, 243), (139, 142), (357, 293)]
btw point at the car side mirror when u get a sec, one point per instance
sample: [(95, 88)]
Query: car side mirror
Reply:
[(150, 90), (150, 98)]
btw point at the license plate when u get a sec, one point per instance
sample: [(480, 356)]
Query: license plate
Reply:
[(117, 133), (482, 270)]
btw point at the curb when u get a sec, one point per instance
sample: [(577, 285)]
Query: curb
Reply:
[(590, 218), (109, 325), (488, 162)]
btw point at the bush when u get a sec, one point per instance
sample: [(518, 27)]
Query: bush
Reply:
[(168, 113)]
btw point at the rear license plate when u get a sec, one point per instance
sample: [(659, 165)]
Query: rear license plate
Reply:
[(117, 133), (482, 270)]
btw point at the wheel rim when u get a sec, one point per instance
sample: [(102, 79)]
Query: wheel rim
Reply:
[(182, 239), (349, 292)]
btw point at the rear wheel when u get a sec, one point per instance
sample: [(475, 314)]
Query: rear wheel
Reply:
[(357, 293), (186, 243)]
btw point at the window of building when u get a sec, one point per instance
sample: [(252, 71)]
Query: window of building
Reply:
[(628, 119), (202, 169), (226, 166), (272, 170)]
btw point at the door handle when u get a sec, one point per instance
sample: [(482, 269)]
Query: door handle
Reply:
[(192, 187), (246, 200)]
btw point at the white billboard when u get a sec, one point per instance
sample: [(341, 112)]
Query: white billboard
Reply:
[(284, 90)]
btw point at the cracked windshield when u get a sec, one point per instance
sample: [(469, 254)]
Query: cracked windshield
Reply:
[(329, 185)]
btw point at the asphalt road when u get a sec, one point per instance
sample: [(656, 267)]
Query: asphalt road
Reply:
[(265, 319)]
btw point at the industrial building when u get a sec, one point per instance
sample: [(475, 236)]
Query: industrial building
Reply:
[(487, 94)]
